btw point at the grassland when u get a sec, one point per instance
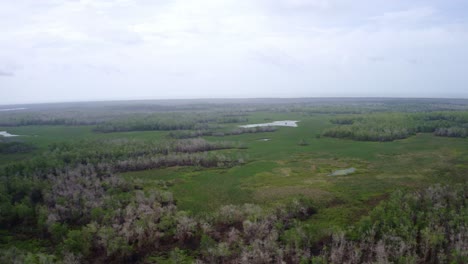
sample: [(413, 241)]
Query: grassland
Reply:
[(280, 169)]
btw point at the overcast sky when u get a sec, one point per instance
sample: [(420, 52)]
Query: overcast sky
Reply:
[(71, 50)]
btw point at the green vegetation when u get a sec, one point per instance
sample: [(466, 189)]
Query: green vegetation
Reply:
[(392, 126), (143, 182), (237, 131), (15, 147), (428, 226)]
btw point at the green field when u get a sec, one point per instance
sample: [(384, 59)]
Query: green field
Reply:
[(282, 169)]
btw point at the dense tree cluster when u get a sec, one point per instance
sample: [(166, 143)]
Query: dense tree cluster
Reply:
[(127, 119), (123, 155), (461, 132), (232, 118), (39, 119), (392, 126), (168, 122), (246, 130), (249, 234), (363, 133), (181, 159), (379, 105), (95, 215), (149, 125), (238, 131), (429, 226), (9, 147), (90, 215), (343, 120), (184, 134)]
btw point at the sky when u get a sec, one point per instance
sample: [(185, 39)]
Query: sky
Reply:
[(79, 50)]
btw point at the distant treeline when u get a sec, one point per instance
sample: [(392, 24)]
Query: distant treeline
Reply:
[(124, 121), (53, 118), (150, 125), (118, 116), (391, 126), (167, 123), (370, 105)]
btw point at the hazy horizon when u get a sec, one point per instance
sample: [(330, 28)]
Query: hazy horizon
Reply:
[(223, 99), (105, 50)]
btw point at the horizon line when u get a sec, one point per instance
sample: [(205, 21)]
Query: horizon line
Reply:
[(462, 97)]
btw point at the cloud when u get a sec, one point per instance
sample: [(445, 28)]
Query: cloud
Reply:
[(276, 58), (8, 67), (412, 15), (199, 48), (304, 4), (6, 74), (376, 58)]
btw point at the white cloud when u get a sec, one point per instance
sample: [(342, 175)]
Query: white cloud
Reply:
[(204, 48), (405, 17)]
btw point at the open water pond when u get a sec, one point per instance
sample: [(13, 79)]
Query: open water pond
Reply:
[(6, 134), (12, 109), (342, 172), (286, 123)]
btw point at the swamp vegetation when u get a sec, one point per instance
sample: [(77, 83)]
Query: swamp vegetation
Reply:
[(182, 182)]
